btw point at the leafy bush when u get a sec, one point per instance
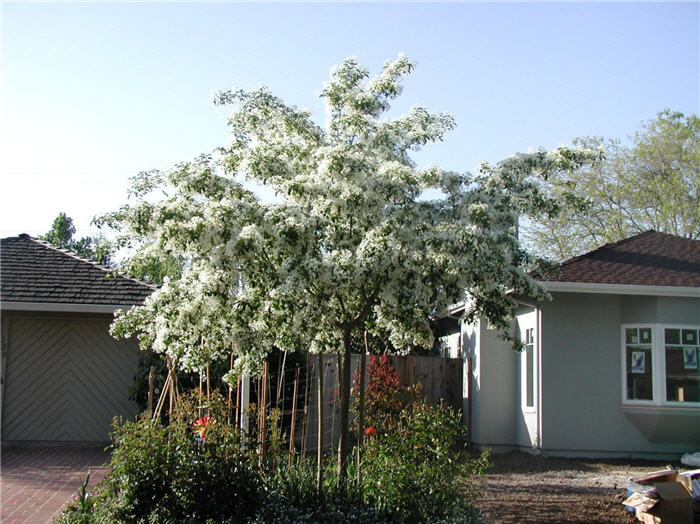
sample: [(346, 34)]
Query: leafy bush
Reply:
[(385, 397), (292, 495), (419, 460), (412, 451), (195, 468), (167, 474)]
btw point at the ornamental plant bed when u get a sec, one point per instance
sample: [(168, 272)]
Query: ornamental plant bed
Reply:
[(527, 488)]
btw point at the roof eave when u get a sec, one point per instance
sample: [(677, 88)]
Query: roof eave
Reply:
[(56, 307), (620, 289)]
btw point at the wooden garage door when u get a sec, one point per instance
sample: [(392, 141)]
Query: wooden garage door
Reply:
[(65, 379)]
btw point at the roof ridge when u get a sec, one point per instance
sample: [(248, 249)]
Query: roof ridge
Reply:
[(97, 265)]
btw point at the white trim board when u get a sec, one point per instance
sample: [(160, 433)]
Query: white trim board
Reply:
[(621, 289), (56, 307)]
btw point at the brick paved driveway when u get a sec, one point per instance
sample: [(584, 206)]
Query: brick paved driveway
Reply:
[(36, 482)]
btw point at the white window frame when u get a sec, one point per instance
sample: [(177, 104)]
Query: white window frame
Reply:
[(658, 363), (523, 365)]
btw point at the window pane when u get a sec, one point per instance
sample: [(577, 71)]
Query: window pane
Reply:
[(673, 336), (682, 379), (639, 382), (690, 337), (631, 336), (645, 335)]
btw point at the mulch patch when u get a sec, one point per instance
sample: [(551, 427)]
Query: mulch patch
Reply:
[(526, 488)]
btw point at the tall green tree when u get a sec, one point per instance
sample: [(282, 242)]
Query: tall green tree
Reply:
[(61, 235), (652, 183), (349, 244)]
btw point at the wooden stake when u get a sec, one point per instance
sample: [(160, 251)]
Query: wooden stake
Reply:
[(258, 395), (319, 440), (238, 401), (263, 409), (230, 393), (208, 385), (292, 431), (199, 394), (336, 392), (174, 384), (305, 416), (280, 380), (163, 395), (151, 376), (172, 395), (230, 387)]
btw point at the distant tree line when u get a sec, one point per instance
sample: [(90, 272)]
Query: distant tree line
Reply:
[(651, 183), (94, 248)]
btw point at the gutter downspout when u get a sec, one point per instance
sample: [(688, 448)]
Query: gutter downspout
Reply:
[(538, 318), (469, 398)]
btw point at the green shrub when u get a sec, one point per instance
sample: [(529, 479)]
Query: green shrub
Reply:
[(167, 474), (385, 397), (420, 460), (412, 452), (195, 469), (292, 495)]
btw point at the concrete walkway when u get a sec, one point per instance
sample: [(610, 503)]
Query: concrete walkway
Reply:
[(37, 481)]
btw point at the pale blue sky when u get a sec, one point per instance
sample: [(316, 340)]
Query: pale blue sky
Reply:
[(92, 93)]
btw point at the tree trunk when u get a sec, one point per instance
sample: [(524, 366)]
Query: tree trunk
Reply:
[(344, 441)]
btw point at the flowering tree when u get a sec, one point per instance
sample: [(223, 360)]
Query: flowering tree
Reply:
[(350, 242)]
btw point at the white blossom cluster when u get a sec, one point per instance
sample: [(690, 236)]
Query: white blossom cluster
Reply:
[(347, 245)]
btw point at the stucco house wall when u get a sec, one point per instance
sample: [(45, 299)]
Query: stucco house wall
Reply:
[(495, 416), (571, 396), (582, 376)]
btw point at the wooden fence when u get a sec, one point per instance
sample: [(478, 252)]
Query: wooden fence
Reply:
[(441, 379)]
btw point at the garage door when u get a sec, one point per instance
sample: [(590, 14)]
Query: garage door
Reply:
[(65, 379)]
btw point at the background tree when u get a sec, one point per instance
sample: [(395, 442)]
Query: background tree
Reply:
[(653, 183), (91, 248), (349, 244)]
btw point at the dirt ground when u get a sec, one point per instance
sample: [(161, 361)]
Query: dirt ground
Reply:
[(524, 488)]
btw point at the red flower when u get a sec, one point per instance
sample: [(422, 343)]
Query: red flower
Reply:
[(371, 432), (201, 425)]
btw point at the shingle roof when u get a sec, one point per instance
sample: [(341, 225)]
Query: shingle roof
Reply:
[(648, 259), (35, 271)]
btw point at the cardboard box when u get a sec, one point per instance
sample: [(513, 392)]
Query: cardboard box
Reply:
[(675, 504), (664, 475), (647, 518), (690, 479), (670, 499)]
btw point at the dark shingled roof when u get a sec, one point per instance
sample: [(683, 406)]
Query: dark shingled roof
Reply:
[(35, 271), (647, 259)]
